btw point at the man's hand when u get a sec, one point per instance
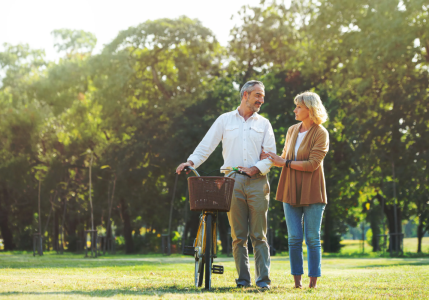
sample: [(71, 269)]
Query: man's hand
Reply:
[(264, 155), (180, 168), (249, 171)]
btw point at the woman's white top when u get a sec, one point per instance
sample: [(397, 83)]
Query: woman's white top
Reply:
[(299, 139)]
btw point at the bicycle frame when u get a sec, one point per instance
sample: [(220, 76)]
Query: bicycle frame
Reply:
[(201, 232)]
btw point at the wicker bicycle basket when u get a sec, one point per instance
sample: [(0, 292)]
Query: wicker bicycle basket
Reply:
[(210, 193)]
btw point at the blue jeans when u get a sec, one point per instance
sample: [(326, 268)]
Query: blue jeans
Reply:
[(311, 217)]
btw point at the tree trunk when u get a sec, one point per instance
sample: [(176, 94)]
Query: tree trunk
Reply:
[(420, 233), (63, 234), (223, 231), (71, 232), (129, 244), (390, 215), (327, 230), (194, 222), (374, 217), (191, 228), (55, 231), (109, 230), (5, 231), (72, 224), (375, 228)]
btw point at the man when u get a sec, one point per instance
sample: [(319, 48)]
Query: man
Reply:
[(244, 133)]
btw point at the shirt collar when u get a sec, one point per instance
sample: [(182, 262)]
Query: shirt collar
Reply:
[(255, 115)]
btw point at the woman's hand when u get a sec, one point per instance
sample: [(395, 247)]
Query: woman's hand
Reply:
[(277, 160)]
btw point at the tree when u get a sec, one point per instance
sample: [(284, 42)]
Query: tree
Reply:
[(165, 66), (376, 60), (19, 123)]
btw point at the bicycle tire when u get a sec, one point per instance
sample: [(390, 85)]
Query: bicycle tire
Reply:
[(201, 276), (199, 257), (197, 276), (207, 254)]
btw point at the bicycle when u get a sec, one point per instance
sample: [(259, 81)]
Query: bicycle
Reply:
[(211, 195)]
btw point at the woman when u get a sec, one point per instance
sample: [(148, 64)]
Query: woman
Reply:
[(301, 185)]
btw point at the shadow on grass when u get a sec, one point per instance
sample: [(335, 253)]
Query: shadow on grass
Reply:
[(393, 264), (27, 261), (374, 255), (148, 291), (78, 261)]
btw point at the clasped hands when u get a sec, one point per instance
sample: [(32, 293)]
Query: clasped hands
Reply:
[(278, 161)]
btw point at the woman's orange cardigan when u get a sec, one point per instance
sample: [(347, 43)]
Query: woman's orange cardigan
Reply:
[(301, 188)]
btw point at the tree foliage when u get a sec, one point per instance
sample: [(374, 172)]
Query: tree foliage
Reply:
[(141, 105)]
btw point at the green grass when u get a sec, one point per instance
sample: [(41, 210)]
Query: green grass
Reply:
[(353, 248), (71, 276)]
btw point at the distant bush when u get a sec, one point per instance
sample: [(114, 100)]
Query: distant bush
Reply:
[(120, 243), (369, 236)]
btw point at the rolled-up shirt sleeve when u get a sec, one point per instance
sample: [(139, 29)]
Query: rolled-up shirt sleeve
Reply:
[(317, 152), (208, 144), (269, 144)]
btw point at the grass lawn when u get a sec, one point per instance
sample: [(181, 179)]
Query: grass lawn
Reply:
[(345, 276), (353, 248)]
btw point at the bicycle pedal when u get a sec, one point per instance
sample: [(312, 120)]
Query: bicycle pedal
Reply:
[(216, 269), (189, 250)]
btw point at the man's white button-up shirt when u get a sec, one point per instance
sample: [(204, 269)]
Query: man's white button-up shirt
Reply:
[(242, 141)]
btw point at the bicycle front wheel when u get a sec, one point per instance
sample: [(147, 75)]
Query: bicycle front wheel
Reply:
[(208, 252), (199, 271)]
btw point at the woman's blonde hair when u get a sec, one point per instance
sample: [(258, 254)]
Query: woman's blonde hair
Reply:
[(312, 101)]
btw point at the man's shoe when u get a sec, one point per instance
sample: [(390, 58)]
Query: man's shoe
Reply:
[(240, 285), (265, 287)]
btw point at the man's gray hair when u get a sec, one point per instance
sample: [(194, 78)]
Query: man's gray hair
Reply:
[(249, 87)]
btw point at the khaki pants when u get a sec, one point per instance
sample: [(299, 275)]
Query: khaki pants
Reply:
[(248, 216)]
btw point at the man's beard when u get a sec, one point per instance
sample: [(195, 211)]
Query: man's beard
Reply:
[(253, 107)]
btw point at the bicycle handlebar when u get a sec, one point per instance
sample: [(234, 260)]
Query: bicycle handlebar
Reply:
[(234, 170), (186, 169), (243, 173)]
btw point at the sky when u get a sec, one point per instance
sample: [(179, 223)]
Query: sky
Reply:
[(31, 22)]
